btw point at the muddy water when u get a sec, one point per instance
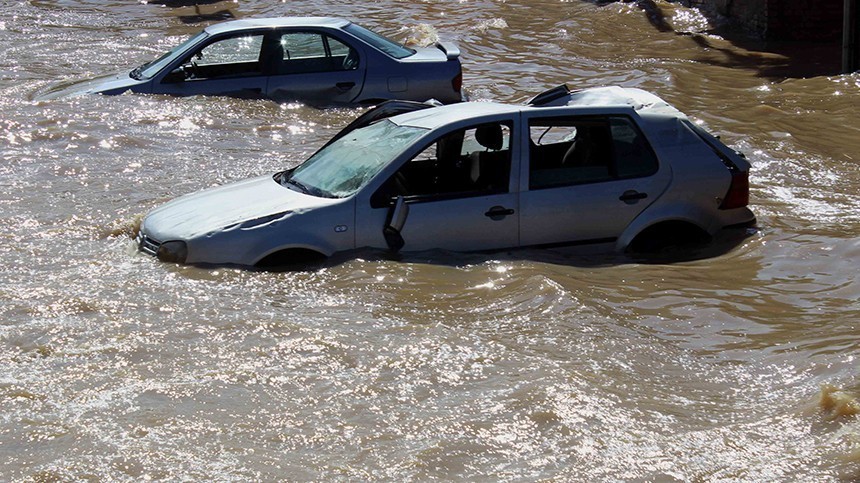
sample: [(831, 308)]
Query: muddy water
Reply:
[(740, 365)]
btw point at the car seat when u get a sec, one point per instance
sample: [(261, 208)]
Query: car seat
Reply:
[(490, 169)]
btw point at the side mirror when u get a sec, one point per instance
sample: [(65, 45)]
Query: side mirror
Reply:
[(394, 223), (176, 75)]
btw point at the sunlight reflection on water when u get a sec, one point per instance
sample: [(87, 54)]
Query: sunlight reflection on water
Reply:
[(515, 365)]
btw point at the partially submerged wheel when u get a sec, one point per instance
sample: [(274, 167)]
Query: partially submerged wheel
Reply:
[(666, 235), (291, 259)]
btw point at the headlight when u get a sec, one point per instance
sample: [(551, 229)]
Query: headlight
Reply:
[(173, 252)]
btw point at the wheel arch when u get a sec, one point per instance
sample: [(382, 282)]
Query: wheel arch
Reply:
[(683, 220), (291, 255), (667, 233)]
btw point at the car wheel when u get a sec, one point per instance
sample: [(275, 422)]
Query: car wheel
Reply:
[(668, 235), (291, 259)]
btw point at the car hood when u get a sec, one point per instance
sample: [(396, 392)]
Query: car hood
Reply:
[(116, 83), (245, 204)]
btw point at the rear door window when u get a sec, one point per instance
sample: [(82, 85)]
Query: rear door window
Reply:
[(307, 52), (577, 150)]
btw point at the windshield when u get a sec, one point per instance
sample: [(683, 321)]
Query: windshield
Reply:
[(384, 44), (348, 164), (149, 69)]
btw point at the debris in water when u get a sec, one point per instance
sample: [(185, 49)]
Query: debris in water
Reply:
[(837, 403)]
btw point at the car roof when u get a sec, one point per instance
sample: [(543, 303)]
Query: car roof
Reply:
[(644, 102), (615, 99), (439, 116), (250, 23)]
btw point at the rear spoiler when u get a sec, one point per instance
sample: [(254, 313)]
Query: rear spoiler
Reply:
[(450, 49), (549, 95)]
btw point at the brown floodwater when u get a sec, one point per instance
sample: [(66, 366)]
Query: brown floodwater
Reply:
[(739, 363)]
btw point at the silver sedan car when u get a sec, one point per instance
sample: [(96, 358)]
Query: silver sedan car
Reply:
[(615, 167), (321, 61)]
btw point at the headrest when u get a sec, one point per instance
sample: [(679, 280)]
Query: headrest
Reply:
[(490, 137)]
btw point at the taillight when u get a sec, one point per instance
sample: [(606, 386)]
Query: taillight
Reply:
[(457, 81), (738, 194)]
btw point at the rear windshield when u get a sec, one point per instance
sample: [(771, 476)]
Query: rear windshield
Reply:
[(390, 47)]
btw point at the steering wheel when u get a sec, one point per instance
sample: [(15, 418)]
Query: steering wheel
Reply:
[(191, 70)]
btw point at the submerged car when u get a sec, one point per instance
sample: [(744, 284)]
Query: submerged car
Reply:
[(610, 166), (321, 61)]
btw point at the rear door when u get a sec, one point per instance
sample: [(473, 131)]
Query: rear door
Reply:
[(314, 67), (586, 179), (458, 190)]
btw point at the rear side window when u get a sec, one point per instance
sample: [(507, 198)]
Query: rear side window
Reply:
[(579, 150), (390, 47), (633, 156)]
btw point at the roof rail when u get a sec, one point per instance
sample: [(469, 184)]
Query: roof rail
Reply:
[(548, 96)]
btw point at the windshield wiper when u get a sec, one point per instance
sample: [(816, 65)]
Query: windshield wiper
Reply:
[(285, 178), (301, 187), (135, 74), (313, 191)]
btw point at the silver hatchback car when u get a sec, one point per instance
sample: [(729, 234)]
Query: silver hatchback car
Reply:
[(321, 61), (610, 166)]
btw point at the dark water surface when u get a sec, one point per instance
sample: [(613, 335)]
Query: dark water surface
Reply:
[(528, 365)]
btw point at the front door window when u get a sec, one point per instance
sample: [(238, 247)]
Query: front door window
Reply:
[(232, 50), (225, 58), (465, 163)]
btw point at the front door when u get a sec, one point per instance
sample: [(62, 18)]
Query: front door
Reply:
[(458, 192), (229, 66)]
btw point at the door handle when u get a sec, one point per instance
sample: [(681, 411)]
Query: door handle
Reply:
[(498, 212), (345, 86), (632, 196)]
